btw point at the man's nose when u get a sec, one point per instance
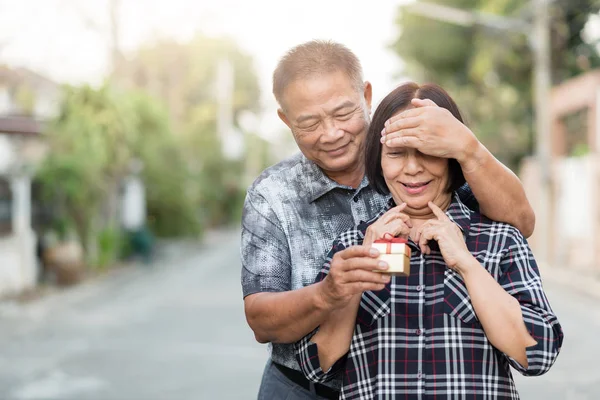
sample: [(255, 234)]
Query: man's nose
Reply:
[(332, 133)]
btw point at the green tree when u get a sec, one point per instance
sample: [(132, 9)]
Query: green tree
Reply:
[(89, 151), (170, 203), (93, 142), (489, 74), (184, 75)]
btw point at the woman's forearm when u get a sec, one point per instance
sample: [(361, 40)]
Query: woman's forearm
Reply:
[(335, 334), (498, 312), (498, 190)]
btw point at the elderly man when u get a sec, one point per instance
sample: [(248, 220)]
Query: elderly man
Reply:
[(296, 208)]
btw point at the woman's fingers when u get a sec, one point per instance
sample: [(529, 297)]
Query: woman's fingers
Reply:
[(427, 232), (423, 239), (396, 227), (398, 216), (438, 212)]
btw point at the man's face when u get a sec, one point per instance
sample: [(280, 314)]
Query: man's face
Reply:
[(329, 119)]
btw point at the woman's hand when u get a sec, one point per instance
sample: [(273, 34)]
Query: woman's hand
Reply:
[(449, 238), (393, 223)]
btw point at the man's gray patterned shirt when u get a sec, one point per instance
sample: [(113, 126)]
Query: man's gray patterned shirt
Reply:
[(292, 215)]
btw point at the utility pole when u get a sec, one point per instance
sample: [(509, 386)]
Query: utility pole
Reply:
[(112, 28), (116, 56), (538, 34), (540, 42), (232, 141)]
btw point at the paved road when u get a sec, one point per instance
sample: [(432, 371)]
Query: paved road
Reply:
[(177, 331), (576, 373)]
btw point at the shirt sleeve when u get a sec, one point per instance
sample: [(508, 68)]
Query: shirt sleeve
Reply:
[(266, 264), (467, 197), (521, 279), (307, 352)]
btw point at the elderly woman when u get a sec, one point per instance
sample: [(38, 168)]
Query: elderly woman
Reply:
[(472, 306)]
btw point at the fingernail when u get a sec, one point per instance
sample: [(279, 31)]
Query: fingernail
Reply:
[(374, 252), (382, 140), (382, 265), (383, 132), (385, 278)]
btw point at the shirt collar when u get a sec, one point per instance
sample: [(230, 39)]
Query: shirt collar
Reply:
[(460, 214), (318, 184)]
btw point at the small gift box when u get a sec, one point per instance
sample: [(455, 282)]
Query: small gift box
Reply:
[(396, 252)]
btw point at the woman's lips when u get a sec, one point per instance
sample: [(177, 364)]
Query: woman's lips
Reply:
[(415, 188)]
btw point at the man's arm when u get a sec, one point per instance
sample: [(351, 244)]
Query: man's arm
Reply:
[(435, 131), (274, 312), (498, 190), (285, 317)]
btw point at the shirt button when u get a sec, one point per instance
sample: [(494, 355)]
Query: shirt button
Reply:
[(419, 375), (419, 288), (355, 199), (418, 332)]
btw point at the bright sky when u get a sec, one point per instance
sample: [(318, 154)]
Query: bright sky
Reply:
[(68, 39)]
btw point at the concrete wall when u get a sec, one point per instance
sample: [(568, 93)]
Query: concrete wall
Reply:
[(18, 266), (18, 263), (575, 223)]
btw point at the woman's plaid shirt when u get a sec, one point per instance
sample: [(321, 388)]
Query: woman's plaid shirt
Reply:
[(420, 338)]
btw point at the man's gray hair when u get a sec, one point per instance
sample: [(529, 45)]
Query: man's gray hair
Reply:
[(314, 58)]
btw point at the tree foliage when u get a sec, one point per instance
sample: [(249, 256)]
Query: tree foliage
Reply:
[(89, 148), (490, 73), (184, 75), (92, 144)]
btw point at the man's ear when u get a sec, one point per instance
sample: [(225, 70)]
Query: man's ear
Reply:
[(284, 118), (368, 95)]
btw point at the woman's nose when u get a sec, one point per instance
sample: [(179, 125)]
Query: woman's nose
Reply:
[(413, 165)]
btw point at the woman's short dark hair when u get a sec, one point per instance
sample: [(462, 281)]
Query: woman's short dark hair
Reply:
[(399, 99)]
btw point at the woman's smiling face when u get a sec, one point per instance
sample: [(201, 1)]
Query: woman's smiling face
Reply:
[(415, 178)]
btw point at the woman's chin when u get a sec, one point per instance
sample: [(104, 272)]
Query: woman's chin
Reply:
[(418, 207)]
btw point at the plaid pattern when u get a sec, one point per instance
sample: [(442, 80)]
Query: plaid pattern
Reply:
[(420, 336), (292, 214)]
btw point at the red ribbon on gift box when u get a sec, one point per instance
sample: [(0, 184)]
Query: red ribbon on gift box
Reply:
[(389, 241)]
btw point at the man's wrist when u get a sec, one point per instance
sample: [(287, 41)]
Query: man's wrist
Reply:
[(472, 155)]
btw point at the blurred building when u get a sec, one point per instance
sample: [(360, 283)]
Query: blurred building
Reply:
[(26, 100), (575, 172)]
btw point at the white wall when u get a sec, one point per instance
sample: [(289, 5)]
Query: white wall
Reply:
[(18, 268), (575, 224)]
